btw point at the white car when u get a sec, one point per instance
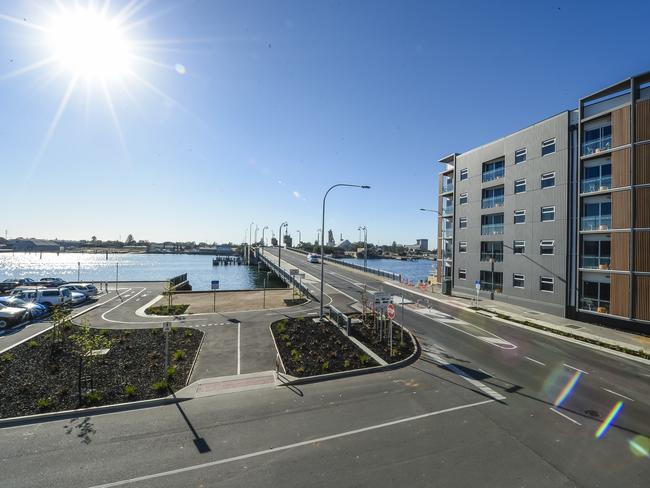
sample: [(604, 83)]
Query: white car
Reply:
[(77, 297), (46, 296), (85, 288), (313, 258)]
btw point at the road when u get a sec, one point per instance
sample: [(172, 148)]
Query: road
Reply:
[(476, 410)]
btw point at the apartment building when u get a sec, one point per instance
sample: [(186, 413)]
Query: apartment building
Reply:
[(556, 216)]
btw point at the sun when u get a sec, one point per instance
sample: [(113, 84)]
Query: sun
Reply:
[(89, 44)]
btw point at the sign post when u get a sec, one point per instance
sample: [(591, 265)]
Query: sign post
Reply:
[(214, 286), (167, 327), (390, 311), (477, 284)]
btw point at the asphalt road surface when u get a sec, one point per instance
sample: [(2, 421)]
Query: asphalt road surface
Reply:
[(486, 405)]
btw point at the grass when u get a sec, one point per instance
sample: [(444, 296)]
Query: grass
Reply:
[(167, 310)]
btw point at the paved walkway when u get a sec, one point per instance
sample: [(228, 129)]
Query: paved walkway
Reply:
[(520, 314)]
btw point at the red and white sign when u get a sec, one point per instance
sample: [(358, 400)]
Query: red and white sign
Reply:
[(390, 311)]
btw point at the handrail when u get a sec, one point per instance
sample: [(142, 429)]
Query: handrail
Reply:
[(285, 276)]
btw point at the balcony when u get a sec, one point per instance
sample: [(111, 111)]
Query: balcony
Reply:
[(597, 145), (493, 174), (491, 229), (487, 286), (595, 262), (492, 202), (447, 210), (447, 233), (599, 183), (596, 222), (447, 186), (486, 256), (594, 305)]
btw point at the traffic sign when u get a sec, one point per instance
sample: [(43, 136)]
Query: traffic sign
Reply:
[(167, 327), (215, 284), (477, 284), (390, 311), (294, 271)]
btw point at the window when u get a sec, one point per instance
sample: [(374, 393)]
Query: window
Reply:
[(462, 274), (492, 197), (492, 250), (462, 246), (548, 147), (547, 247), (518, 280), (548, 214), (546, 283), (520, 156), (520, 186), (491, 280), (464, 174), (463, 199), (493, 170), (491, 224), (596, 176), (520, 216), (462, 223), (548, 180), (595, 296), (519, 247)]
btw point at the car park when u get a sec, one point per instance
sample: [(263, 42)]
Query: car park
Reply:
[(34, 309), (47, 296), (51, 282), (87, 289), (11, 283), (12, 316), (77, 298)]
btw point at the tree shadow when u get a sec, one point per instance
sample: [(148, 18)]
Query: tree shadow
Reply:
[(85, 429)]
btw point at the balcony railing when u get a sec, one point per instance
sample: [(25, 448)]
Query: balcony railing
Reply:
[(594, 305), (493, 174), (447, 187), (491, 229), (595, 262), (486, 256), (447, 234), (492, 202), (447, 209), (597, 145), (599, 183), (596, 222), (487, 286)]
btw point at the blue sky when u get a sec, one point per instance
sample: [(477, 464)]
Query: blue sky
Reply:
[(280, 100)]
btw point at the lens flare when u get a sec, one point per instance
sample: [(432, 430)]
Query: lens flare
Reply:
[(609, 420), (640, 446), (180, 69), (568, 389)]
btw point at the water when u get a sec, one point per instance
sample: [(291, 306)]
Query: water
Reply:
[(132, 267), (416, 270)]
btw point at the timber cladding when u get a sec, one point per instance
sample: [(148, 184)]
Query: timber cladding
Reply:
[(621, 209), (621, 126), (620, 251), (641, 300), (641, 164), (641, 252), (619, 295), (643, 120), (642, 210), (621, 168)]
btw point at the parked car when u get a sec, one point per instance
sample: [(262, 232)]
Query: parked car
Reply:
[(46, 296), (12, 316), (51, 282), (313, 258), (85, 288), (76, 297), (11, 283), (35, 309)]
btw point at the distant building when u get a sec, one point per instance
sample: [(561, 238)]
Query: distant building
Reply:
[(33, 245), (330, 238), (345, 245), (420, 245)]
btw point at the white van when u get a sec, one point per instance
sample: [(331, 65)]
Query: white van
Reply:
[(313, 258), (45, 296)]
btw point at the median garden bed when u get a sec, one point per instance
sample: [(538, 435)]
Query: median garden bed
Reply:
[(367, 332), (166, 310), (308, 348), (43, 374)]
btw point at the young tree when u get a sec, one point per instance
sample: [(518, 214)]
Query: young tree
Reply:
[(60, 320), (169, 293), (84, 342)]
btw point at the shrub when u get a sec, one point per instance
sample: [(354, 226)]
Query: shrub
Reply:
[(33, 344), (92, 397), (346, 363), (171, 371), (126, 333), (288, 344), (325, 366), (179, 355), (363, 359), (44, 403), (295, 355), (6, 357), (160, 386), (130, 390), (285, 337), (188, 333), (281, 327), (103, 332), (174, 329), (300, 369)]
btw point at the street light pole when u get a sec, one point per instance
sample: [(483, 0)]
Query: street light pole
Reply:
[(299, 237), (256, 229), (283, 224), (263, 242), (492, 274), (322, 242), (250, 238), (365, 246)]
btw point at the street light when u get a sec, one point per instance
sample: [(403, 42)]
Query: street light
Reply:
[(283, 224), (256, 229), (365, 246), (299, 237), (318, 235), (322, 241), (265, 227)]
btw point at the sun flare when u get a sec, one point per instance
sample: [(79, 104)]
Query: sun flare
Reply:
[(89, 44)]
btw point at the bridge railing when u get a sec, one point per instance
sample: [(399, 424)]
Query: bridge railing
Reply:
[(284, 275), (340, 319)]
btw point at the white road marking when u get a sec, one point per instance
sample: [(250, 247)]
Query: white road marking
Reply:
[(574, 368), (119, 305), (238, 348), (618, 394), (286, 447), (484, 388), (534, 361), (565, 416)]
